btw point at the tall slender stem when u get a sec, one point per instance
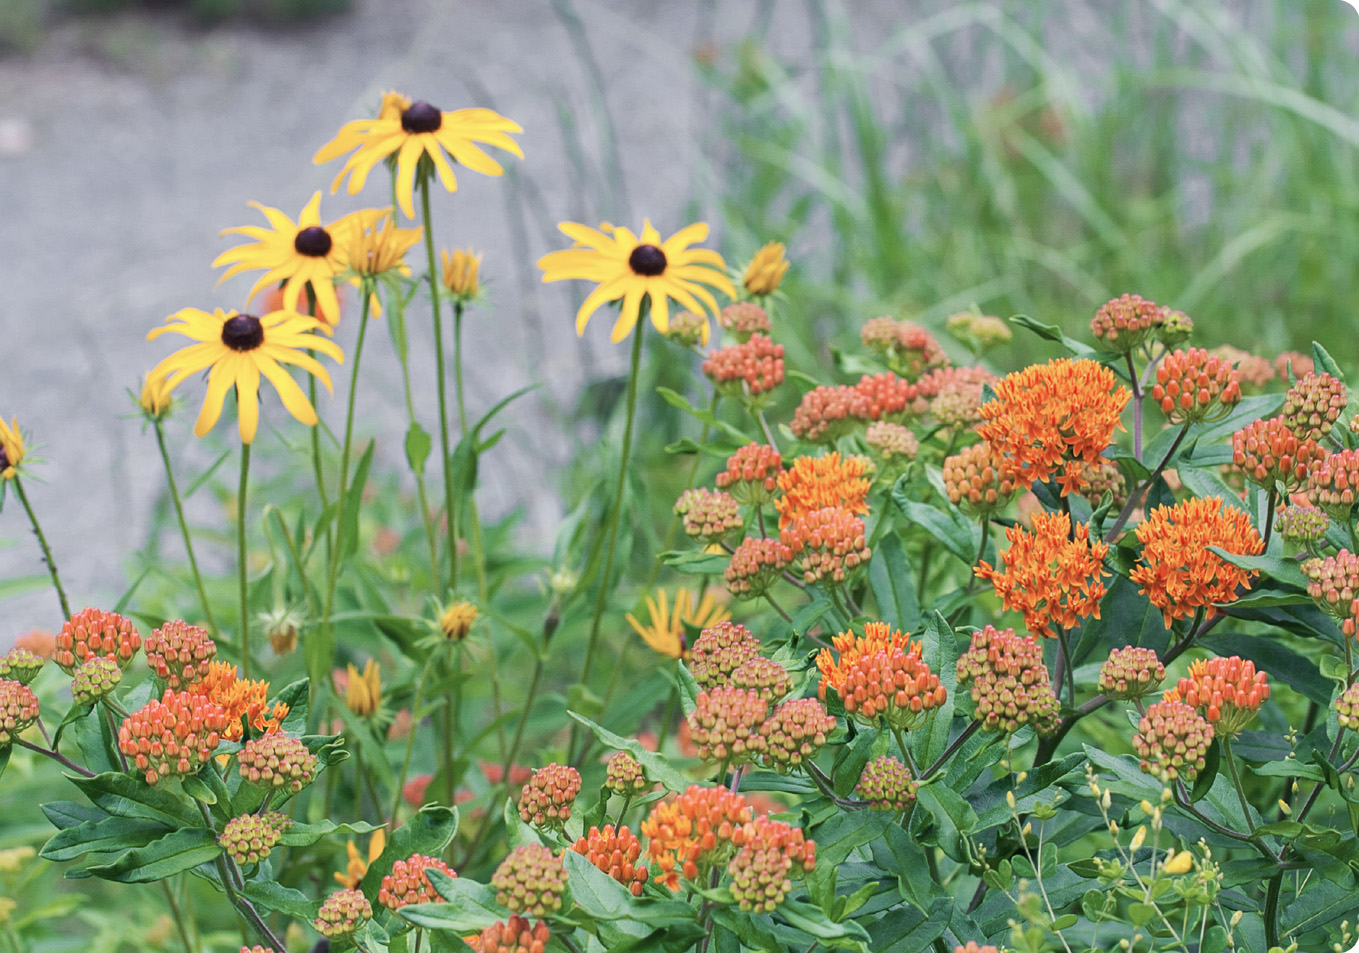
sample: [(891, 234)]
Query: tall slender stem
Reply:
[(478, 552), (450, 511), (46, 550), (1236, 782), (184, 529), (177, 916), (451, 713), (242, 568), (614, 516), (420, 491), (410, 740), (1137, 407)]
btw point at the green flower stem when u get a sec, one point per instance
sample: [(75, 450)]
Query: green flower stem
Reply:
[(178, 917), (365, 294), (242, 570), (55, 756), (452, 711), (410, 740), (450, 512), (421, 493), (184, 529), (42, 541), (1236, 782), (1137, 407), (611, 534), (478, 550)]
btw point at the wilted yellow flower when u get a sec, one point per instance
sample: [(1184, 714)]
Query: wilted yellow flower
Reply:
[(364, 691), (457, 620), (377, 246), (460, 273), (11, 448), (665, 631), (766, 270), (155, 396), (357, 866)]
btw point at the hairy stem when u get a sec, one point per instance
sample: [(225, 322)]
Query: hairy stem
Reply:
[(46, 550)]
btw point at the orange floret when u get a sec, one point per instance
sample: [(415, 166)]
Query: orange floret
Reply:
[(814, 483)]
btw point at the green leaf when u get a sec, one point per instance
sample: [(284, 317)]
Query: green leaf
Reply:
[(892, 582), (353, 504), (1205, 483), (1325, 363), (941, 652), (1279, 661), (1050, 332), (106, 836), (428, 832), (198, 789), (954, 816), (418, 445), (594, 891), (125, 796), (1203, 783), (175, 852), (468, 907), (908, 930), (676, 399), (304, 835), (813, 922), (697, 564), (957, 533), (276, 897), (1281, 568), (657, 768)]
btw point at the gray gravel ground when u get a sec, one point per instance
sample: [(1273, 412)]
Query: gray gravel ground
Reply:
[(127, 144)]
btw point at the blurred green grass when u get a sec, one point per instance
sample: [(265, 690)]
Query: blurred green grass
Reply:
[(1040, 158)]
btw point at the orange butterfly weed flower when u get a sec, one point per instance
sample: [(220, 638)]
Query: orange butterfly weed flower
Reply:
[(877, 637), (240, 697), (815, 483), (1178, 573), (694, 831), (1049, 419), (1227, 691), (1052, 575)]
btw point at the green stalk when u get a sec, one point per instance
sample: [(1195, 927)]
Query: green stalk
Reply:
[(450, 513), (46, 550), (420, 491), (410, 739), (451, 713), (1236, 782), (242, 569), (175, 913), (184, 529)]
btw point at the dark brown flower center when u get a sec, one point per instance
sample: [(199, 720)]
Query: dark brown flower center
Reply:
[(421, 117), (4, 459), (313, 241), (243, 332), (647, 260)]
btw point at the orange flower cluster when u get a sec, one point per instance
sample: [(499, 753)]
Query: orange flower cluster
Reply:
[(616, 854), (178, 653), (1194, 386), (1333, 583), (547, 799), (1048, 419), (1333, 483), (896, 684), (1178, 573), (1052, 575), (408, 883), (95, 632), (1267, 452), (511, 936), (977, 482), (18, 710), (752, 474), (814, 483), (1131, 672), (1126, 322), (240, 698), (687, 835), (851, 648), (827, 544), (748, 369), (755, 566), (175, 735), (1226, 691)]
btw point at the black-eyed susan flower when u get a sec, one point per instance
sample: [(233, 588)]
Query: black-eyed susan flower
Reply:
[(357, 865), (766, 270), (302, 254), (379, 247), (239, 349), (11, 448), (666, 630), (460, 273), (155, 396), (409, 131), (632, 268)]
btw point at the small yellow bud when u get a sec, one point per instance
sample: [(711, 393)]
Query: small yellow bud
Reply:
[(766, 270), (460, 273), (1010, 799), (1019, 778), (1283, 806), (1236, 917), (1106, 800), (1146, 808), (1028, 829), (1138, 839), (363, 693), (1178, 862), (457, 620), (155, 396)]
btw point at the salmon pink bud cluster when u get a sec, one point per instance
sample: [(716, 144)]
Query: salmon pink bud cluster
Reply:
[(752, 474), (95, 678), (1178, 573), (893, 683), (1227, 691), (794, 733), (1193, 386), (709, 516), (1347, 708), (910, 349), (1131, 673), (1333, 584), (879, 334), (1049, 419), (764, 831), (624, 776), (1254, 372), (1267, 452), (547, 798), (409, 883), (827, 545), (687, 835), (248, 839), (1029, 584), (719, 651), (531, 879), (277, 760), (886, 785), (760, 878), (1010, 684), (743, 319), (257, 949), (512, 936), (173, 736), (21, 665), (756, 565), (1172, 741), (1302, 364), (972, 946), (826, 414), (765, 677), (616, 854), (179, 653), (976, 482), (1103, 477), (1312, 406), (725, 722), (18, 710), (892, 442), (1333, 483), (887, 396), (1126, 322), (1302, 524), (953, 395), (95, 632), (342, 913), (752, 368)]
